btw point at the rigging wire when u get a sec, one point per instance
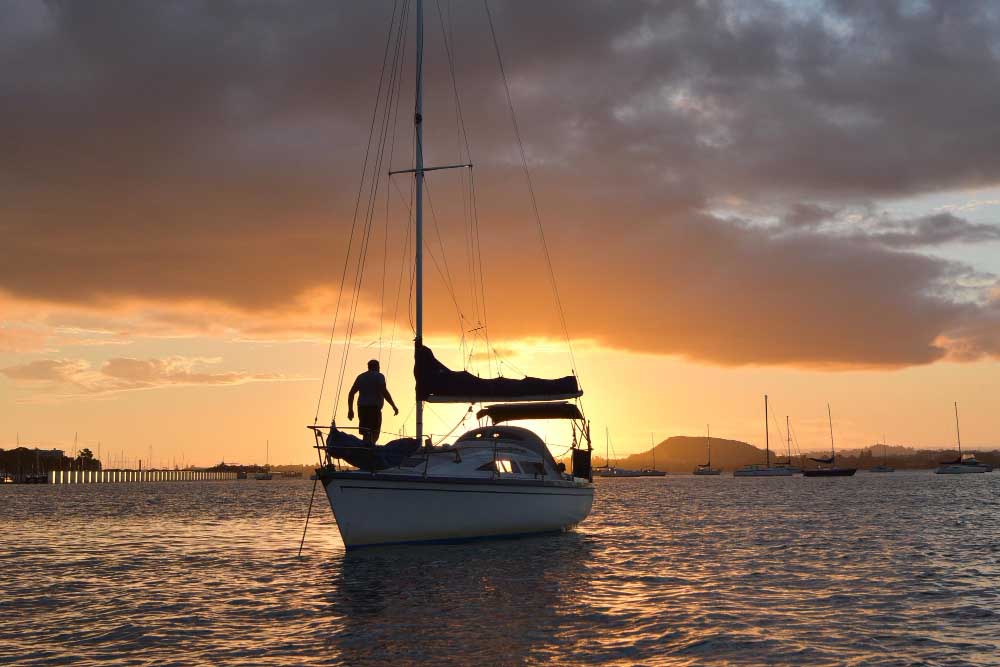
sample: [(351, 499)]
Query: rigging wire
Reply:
[(477, 283), (531, 190), (370, 210), (388, 198), (449, 283), (777, 426), (399, 286), (795, 440), (357, 206), (479, 257)]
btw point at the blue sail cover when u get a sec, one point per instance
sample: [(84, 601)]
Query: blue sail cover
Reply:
[(436, 383), (365, 455), (829, 459)]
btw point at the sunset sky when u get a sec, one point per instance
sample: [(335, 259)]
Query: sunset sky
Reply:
[(793, 198)]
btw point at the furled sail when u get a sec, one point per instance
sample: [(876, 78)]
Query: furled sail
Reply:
[(505, 413), (436, 383), (829, 459)]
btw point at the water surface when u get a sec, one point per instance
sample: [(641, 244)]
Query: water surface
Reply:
[(899, 569)]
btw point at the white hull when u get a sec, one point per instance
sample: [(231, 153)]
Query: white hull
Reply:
[(763, 472), (617, 472), (372, 510)]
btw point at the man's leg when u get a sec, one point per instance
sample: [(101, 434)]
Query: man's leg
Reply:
[(369, 422), (376, 423)]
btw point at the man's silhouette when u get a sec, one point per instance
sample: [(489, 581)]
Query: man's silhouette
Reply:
[(372, 393)]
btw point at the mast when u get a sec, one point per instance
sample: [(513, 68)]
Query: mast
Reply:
[(958, 433), (708, 430), (653, 448), (419, 225), (767, 436), (788, 444), (829, 416)]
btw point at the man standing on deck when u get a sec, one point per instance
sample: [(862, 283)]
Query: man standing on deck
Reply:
[(372, 394)]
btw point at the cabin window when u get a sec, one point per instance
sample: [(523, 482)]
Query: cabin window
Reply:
[(501, 465), (533, 467)]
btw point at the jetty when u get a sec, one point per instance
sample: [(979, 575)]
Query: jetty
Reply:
[(136, 476)]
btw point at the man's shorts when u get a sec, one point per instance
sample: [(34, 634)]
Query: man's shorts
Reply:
[(370, 421)]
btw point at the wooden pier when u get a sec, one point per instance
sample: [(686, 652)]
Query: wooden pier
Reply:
[(136, 476)]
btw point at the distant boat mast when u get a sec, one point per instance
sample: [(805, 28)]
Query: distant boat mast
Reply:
[(788, 434), (958, 433), (708, 431), (767, 436), (829, 416)]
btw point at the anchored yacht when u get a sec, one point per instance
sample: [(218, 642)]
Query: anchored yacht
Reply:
[(706, 468), (963, 465), (494, 480), (765, 470), (828, 467)]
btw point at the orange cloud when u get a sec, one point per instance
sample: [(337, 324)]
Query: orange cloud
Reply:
[(220, 202), (75, 377)]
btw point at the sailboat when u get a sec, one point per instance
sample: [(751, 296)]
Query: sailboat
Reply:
[(706, 468), (831, 470), (884, 466), (963, 465), (787, 463), (766, 470), (266, 474), (609, 470), (652, 472), (497, 480)]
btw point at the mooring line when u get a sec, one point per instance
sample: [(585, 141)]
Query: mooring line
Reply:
[(308, 514)]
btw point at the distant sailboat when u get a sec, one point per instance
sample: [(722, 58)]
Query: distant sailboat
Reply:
[(609, 470), (884, 466), (832, 470), (652, 472), (766, 470), (706, 468), (787, 463), (266, 475), (962, 465)]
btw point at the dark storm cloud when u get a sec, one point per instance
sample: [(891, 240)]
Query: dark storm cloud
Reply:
[(210, 151), (807, 216), (936, 230), (903, 234)]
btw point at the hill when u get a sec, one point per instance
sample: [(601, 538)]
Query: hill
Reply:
[(681, 453)]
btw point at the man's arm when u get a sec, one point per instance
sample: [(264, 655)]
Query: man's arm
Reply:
[(350, 400), (388, 398)]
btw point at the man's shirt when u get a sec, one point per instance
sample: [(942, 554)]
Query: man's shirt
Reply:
[(371, 389)]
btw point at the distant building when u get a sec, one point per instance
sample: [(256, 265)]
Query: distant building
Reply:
[(50, 453)]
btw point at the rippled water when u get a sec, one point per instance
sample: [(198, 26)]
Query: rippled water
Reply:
[(899, 569)]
